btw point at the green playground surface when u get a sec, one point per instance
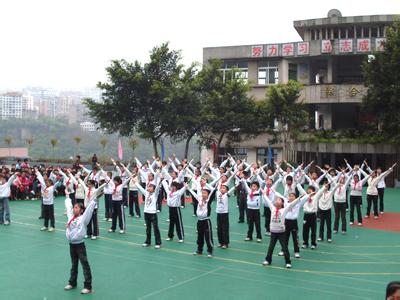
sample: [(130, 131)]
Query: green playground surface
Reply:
[(36, 265)]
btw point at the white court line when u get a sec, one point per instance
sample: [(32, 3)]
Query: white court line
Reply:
[(179, 283)]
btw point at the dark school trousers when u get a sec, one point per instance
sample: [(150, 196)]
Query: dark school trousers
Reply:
[(355, 202), (108, 206), (372, 200), (204, 233), (253, 221), (78, 253), (48, 215), (326, 218), (175, 220), (340, 213), (381, 194), (152, 220), (267, 217), (93, 226), (223, 228), (118, 212), (134, 203), (292, 229), (310, 224), (281, 237)]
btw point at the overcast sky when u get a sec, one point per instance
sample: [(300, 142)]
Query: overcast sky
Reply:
[(66, 44)]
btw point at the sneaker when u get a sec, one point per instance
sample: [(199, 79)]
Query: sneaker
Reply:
[(224, 246), (343, 232), (168, 239), (351, 223), (248, 239), (259, 240), (69, 287), (304, 246), (376, 217), (180, 241), (219, 246), (347, 210), (359, 224), (381, 212), (167, 220), (313, 247), (94, 237), (105, 219), (111, 230), (265, 263), (130, 216), (43, 228), (281, 253), (6, 223), (145, 245), (335, 231), (197, 253), (297, 255), (86, 236), (329, 240), (267, 233), (158, 210), (209, 255), (121, 231), (366, 217), (51, 229), (182, 206), (319, 239), (288, 266), (193, 215), (109, 220), (86, 291), (157, 246), (137, 217)]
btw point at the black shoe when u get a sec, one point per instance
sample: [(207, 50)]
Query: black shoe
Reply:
[(240, 221), (40, 218)]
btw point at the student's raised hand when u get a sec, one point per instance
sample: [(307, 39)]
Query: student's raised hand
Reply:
[(185, 185), (395, 164)]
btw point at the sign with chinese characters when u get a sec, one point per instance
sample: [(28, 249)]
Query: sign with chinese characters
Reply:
[(272, 50), (257, 51), (288, 49), (329, 91), (303, 48), (363, 45), (380, 44), (326, 46), (346, 46), (354, 91)]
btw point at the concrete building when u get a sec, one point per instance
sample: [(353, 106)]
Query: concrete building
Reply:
[(88, 126), (16, 105), (327, 61)]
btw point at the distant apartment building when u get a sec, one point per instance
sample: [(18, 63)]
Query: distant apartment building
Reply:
[(88, 126), (16, 105)]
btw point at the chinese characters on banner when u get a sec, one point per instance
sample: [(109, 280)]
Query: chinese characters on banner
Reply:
[(346, 46), (326, 46), (380, 44), (256, 51), (303, 48), (273, 50), (363, 45), (288, 49)]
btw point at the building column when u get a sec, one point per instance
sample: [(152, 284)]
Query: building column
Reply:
[(329, 75), (283, 69)]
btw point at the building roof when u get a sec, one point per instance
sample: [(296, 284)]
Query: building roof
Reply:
[(335, 18)]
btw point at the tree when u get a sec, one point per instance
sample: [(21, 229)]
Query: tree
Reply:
[(133, 143), (185, 104), (228, 108), (134, 98), (382, 77), (8, 140), (29, 142), (281, 104), (103, 142), (53, 143), (77, 140)]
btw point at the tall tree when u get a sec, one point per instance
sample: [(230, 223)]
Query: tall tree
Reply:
[(8, 140), (382, 77), (77, 140), (134, 98), (228, 108), (54, 143), (185, 105), (282, 105)]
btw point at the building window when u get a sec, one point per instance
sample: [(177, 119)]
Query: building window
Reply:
[(241, 69), (237, 153), (268, 73), (374, 32), (350, 33), (262, 155), (293, 72)]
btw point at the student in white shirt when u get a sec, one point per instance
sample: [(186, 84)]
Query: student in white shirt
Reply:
[(253, 209), (150, 195), (340, 197), (269, 190), (5, 191), (134, 195), (356, 187), (325, 203), (48, 202), (222, 210), (118, 205)]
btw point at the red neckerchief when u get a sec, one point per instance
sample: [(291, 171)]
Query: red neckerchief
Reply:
[(276, 214), (70, 221), (251, 195), (268, 190), (171, 193), (309, 199), (89, 193)]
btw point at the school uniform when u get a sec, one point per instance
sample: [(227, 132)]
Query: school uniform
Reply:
[(175, 216), (48, 202), (108, 191), (133, 199), (372, 192), (222, 210), (325, 203), (356, 198), (340, 197), (150, 214), (5, 192), (253, 211), (118, 207)]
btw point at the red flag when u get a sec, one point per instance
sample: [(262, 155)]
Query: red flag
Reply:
[(120, 152)]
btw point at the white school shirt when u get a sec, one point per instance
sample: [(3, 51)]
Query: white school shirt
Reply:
[(222, 205), (173, 198), (76, 226), (47, 192), (5, 190)]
